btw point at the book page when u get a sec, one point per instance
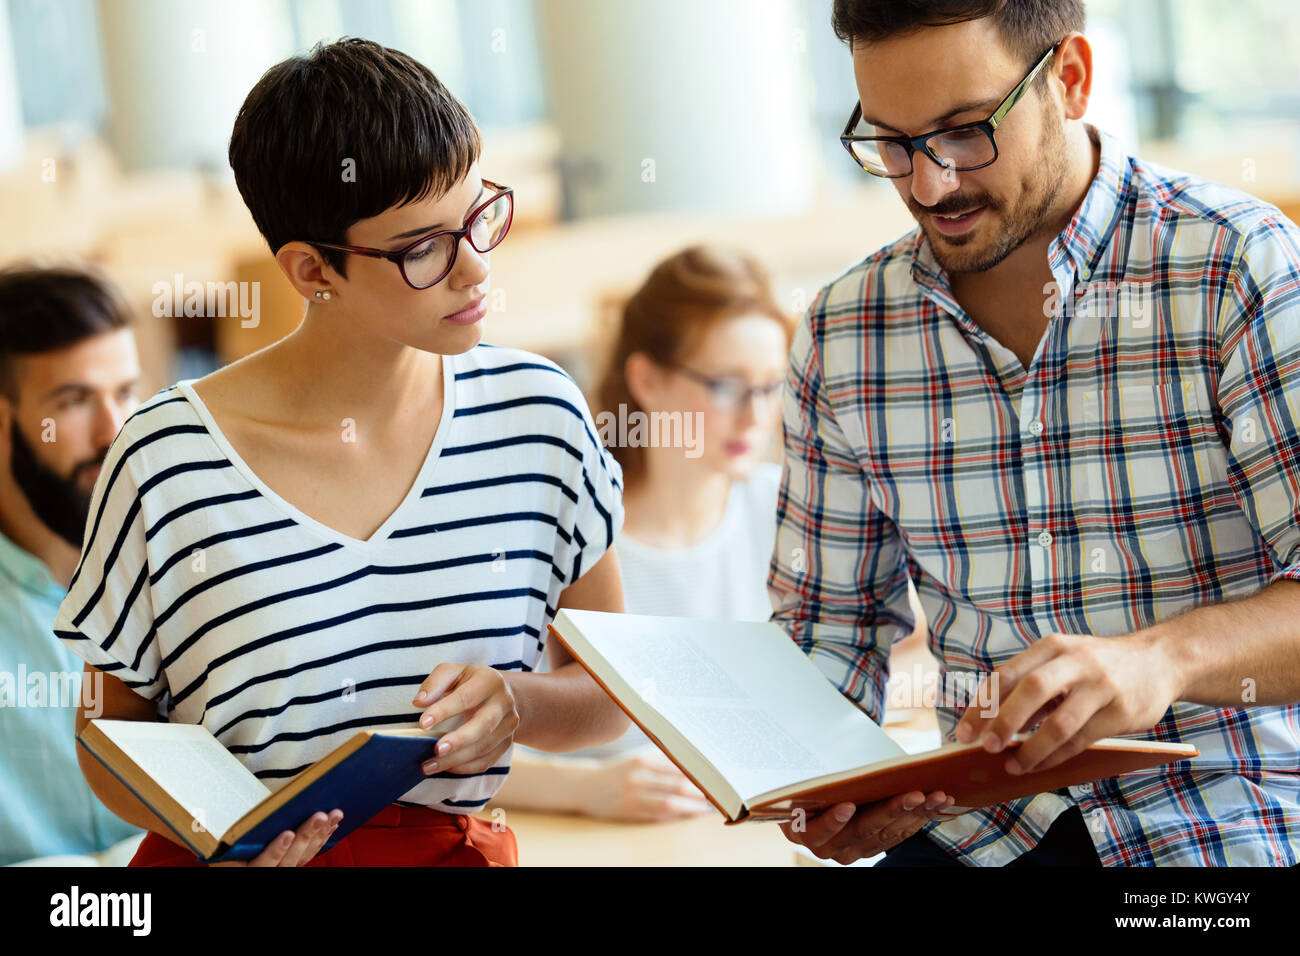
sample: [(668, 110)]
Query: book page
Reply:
[(191, 765), (742, 692)]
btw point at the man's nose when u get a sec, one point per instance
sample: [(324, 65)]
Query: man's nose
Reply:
[(930, 181), (108, 422)]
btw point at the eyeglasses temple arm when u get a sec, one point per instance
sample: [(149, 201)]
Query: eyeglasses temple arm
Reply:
[(358, 250), (1021, 89)]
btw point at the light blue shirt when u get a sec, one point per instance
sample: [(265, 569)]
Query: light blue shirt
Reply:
[(46, 806)]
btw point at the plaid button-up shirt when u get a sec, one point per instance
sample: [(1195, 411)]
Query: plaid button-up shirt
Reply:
[(1147, 462)]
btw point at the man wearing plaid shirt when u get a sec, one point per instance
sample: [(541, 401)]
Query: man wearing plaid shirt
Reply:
[(1070, 417)]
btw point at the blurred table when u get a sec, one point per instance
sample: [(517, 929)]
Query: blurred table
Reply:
[(550, 839), (547, 839)]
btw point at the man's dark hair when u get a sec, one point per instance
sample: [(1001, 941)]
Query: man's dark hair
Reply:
[(43, 309), (341, 134), (1027, 27)]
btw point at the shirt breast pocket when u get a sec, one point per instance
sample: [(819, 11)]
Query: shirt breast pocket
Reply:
[(1141, 473), (1125, 442)]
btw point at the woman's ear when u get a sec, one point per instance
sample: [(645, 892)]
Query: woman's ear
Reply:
[(644, 378), (303, 266)]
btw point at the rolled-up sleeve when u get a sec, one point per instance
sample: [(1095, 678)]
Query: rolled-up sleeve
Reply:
[(838, 574), (1259, 386)]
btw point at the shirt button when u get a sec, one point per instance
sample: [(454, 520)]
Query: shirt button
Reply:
[(461, 821), (1085, 788), (1036, 427), (1044, 538)]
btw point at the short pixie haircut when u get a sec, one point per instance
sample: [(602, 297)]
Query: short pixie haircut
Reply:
[(341, 134)]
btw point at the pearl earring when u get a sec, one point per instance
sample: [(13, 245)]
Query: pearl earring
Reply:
[(323, 295)]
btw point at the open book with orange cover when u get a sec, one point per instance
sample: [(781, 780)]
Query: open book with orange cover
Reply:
[(755, 724)]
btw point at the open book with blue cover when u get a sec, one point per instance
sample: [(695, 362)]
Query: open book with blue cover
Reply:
[(754, 723), (221, 811)]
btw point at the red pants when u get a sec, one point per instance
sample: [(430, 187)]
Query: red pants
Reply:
[(396, 836)]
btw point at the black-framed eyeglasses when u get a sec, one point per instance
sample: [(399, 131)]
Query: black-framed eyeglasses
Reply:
[(960, 148), (428, 260), (730, 394)]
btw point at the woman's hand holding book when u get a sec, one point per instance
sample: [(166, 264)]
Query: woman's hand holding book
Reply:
[(295, 849)]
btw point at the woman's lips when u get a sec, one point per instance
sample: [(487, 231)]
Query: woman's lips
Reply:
[(470, 314)]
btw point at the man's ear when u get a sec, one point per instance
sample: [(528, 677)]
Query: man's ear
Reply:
[(8, 413), (1074, 72)]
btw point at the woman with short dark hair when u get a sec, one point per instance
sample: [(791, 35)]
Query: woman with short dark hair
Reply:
[(370, 522)]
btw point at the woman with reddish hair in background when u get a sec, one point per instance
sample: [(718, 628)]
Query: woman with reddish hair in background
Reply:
[(703, 338)]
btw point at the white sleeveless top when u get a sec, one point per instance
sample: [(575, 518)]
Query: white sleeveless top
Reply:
[(723, 577)]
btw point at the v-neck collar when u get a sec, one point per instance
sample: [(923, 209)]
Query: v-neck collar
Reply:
[(413, 493)]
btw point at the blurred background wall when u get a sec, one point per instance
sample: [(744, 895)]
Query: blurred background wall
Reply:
[(628, 129)]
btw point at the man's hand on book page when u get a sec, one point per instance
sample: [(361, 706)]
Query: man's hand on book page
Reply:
[(845, 833), (1081, 688), (481, 695), (638, 788), (294, 849)]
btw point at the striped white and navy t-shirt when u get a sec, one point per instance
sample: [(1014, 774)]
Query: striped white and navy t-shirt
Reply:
[(201, 588)]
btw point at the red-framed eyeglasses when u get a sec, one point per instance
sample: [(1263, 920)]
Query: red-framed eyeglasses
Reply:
[(428, 260)]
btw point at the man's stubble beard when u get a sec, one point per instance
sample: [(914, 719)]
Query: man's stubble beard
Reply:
[(1039, 191)]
